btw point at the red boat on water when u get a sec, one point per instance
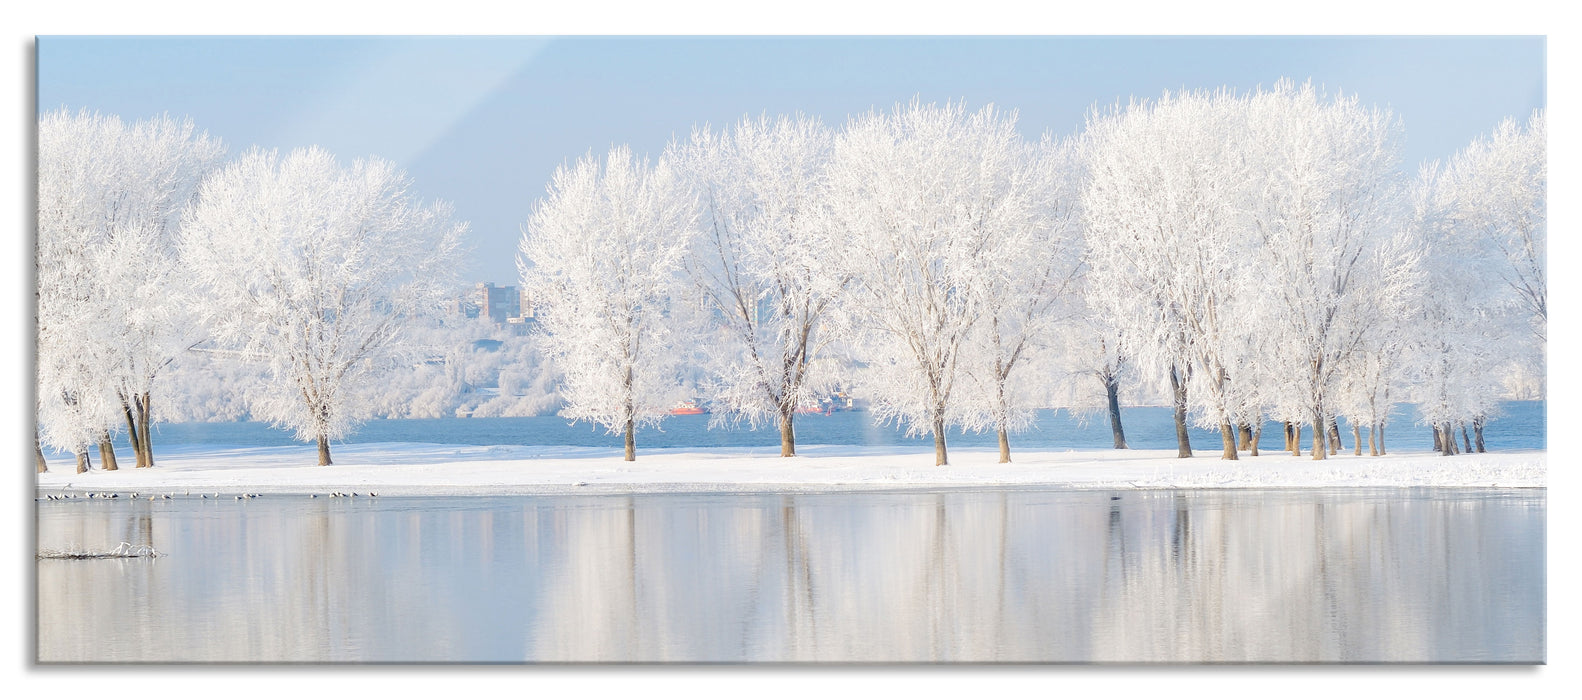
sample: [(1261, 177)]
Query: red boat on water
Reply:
[(688, 408)]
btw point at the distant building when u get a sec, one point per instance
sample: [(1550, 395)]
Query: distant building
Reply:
[(500, 304), (520, 325), (525, 304), (462, 306)]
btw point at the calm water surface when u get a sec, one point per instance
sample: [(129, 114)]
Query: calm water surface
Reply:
[(1519, 425), (1394, 575)]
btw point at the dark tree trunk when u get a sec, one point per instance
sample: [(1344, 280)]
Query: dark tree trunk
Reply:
[(132, 434), (1356, 439), (106, 453), (1477, 434), (941, 458), (145, 416), (1005, 446), (1373, 440), (1243, 437), (38, 452), (1113, 391), (1381, 439), (1437, 446), (1320, 450), (324, 451), (1447, 442), (83, 463), (1257, 434), (1294, 438), (1179, 391), (787, 432), (1334, 436), (1227, 434), (1465, 441), (631, 440)]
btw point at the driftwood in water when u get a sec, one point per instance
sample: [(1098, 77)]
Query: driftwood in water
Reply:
[(125, 550)]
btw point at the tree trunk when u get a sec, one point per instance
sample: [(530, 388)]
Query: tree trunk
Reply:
[(1111, 388), (1243, 437), (1293, 438), (1257, 434), (631, 440), (941, 457), (1005, 446), (145, 417), (787, 432), (1179, 390), (1227, 434), (38, 452), (132, 434), (1373, 439), (1356, 439), (1437, 446), (1381, 439), (83, 464), (1334, 436), (106, 453), (1447, 442), (324, 451), (1320, 450), (1477, 434)]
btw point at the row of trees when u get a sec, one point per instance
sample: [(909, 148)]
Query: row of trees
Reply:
[(150, 244), (1261, 252)]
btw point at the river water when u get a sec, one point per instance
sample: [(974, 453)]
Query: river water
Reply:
[(1519, 425), (1366, 575)]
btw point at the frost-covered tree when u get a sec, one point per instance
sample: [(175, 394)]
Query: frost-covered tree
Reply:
[(1025, 282), (1326, 207), (1166, 243), (765, 264), (922, 192), (76, 408), (1495, 192), (314, 268), (1463, 330), (111, 288), (1485, 307), (601, 257)]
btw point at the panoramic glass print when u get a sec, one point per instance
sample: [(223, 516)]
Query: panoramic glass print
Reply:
[(812, 349)]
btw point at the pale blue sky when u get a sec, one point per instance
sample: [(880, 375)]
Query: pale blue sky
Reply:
[(484, 121)]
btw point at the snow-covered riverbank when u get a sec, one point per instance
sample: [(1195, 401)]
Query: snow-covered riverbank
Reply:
[(397, 469)]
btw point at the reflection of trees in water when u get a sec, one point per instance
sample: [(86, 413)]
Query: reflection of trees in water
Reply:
[(1160, 576), (999, 575)]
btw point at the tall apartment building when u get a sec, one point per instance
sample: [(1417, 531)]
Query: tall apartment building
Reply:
[(500, 304)]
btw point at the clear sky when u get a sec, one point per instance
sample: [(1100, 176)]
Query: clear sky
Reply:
[(482, 122)]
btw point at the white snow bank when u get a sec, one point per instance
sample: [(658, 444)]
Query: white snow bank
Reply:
[(393, 469)]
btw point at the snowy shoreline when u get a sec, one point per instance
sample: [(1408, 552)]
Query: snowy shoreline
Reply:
[(418, 469)]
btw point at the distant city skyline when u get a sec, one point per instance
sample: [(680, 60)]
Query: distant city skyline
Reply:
[(482, 122)]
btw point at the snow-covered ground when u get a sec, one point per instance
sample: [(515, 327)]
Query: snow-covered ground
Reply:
[(397, 469)]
